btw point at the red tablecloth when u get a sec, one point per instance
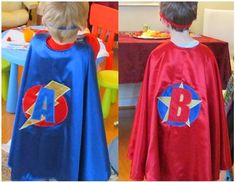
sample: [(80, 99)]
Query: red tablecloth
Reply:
[(133, 55)]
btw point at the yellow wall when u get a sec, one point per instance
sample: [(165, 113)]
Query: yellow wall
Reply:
[(198, 24)]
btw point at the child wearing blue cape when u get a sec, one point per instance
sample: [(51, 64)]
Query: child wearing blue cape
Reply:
[(59, 132)]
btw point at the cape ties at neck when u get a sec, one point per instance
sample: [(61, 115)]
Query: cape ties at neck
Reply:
[(176, 25), (58, 47)]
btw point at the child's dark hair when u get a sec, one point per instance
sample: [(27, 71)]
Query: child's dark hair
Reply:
[(181, 13)]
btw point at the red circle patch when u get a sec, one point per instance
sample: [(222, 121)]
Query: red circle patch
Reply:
[(61, 109)]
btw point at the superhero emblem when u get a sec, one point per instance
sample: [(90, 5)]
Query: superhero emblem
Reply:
[(45, 106), (179, 105)]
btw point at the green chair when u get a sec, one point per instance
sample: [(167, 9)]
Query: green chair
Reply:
[(5, 78), (109, 80)]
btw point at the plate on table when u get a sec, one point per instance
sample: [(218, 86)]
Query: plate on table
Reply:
[(151, 34), (14, 39)]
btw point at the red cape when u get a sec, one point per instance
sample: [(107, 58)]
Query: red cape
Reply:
[(162, 148)]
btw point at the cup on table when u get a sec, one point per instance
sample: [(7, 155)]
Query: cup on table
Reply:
[(28, 34)]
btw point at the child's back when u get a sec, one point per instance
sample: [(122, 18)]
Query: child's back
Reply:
[(59, 132), (179, 130)]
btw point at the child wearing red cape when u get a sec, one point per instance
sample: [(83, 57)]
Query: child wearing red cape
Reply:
[(180, 129)]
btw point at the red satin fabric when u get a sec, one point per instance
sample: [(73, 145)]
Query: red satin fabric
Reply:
[(160, 151)]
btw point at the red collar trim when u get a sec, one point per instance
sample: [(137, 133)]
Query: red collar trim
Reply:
[(174, 24), (57, 47)]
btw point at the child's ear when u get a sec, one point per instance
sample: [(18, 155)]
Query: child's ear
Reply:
[(165, 23)]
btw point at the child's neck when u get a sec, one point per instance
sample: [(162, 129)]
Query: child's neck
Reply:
[(180, 38), (58, 46), (60, 43)]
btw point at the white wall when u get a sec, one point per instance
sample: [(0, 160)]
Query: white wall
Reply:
[(198, 24), (132, 18)]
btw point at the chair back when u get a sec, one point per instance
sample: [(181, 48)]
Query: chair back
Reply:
[(104, 21), (219, 24)]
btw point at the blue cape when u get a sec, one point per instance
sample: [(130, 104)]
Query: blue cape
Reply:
[(74, 148)]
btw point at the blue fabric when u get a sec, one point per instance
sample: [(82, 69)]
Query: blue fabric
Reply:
[(47, 97), (228, 176), (76, 149), (113, 154)]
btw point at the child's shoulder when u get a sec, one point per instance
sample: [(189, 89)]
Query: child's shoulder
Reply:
[(168, 46), (82, 44), (205, 53), (205, 49), (162, 48), (164, 45), (39, 38)]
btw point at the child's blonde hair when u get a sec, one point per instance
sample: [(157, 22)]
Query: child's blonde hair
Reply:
[(64, 19)]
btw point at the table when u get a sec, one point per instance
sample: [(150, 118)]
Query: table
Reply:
[(15, 57), (18, 57), (133, 54)]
